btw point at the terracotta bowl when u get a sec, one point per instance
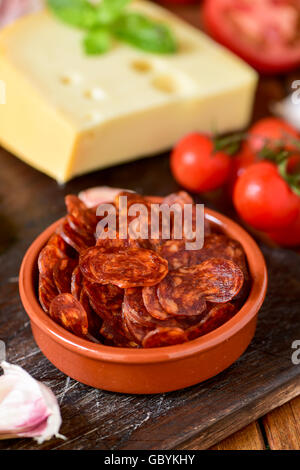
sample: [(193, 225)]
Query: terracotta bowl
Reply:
[(156, 370)]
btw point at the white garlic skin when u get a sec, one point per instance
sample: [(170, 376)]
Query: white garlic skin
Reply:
[(27, 407)]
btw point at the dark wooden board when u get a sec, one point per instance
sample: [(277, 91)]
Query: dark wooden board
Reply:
[(198, 417)]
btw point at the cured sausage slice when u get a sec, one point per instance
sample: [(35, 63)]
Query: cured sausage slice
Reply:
[(174, 251), (47, 260), (106, 300), (76, 283), (131, 268), (153, 305), (116, 337), (69, 313), (62, 274), (164, 337), (135, 308), (215, 246), (220, 246), (57, 241), (179, 295), (137, 330), (216, 317), (117, 243), (94, 321), (82, 231), (137, 313), (81, 216), (47, 292), (219, 280), (74, 239), (132, 198)]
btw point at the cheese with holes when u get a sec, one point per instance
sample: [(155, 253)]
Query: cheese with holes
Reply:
[(67, 113)]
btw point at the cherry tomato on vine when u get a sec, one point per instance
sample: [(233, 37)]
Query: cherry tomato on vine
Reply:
[(271, 129), (288, 235), (240, 161), (266, 131), (263, 199), (196, 166)]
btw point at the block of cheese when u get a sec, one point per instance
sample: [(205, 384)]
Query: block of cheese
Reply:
[(67, 113)]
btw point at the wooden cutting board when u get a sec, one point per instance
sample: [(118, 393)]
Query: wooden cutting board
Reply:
[(197, 417)]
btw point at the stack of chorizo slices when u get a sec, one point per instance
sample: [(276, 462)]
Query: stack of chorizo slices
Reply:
[(136, 292)]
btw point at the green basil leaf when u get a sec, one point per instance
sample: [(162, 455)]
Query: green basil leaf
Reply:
[(97, 42), (145, 33), (109, 10), (79, 13)]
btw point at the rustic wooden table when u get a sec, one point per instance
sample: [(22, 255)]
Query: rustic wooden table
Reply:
[(195, 418)]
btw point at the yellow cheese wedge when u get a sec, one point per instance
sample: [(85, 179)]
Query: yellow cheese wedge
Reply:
[(67, 113)]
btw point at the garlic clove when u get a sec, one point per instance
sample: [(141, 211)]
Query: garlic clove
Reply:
[(289, 110), (27, 407)]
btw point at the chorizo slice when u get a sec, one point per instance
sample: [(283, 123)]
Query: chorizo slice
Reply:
[(215, 246), (106, 299), (164, 337), (219, 280), (82, 231), (138, 331), (57, 241), (62, 274), (137, 313), (116, 243), (69, 313), (131, 268), (81, 216), (175, 252), (183, 200), (179, 295), (220, 246), (216, 317), (116, 337), (77, 241), (152, 303), (76, 282), (47, 292), (94, 321), (135, 308), (132, 198), (48, 258)]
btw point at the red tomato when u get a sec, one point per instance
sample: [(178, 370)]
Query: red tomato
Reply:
[(265, 33), (196, 166), (244, 158), (294, 164), (273, 129), (177, 2), (289, 235), (263, 199)]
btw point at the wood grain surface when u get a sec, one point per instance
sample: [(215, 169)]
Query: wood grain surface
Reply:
[(282, 426), (261, 380), (249, 438)]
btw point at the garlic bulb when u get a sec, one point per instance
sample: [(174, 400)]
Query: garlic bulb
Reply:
[(10, 10), (289, 110), (27, 407)]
